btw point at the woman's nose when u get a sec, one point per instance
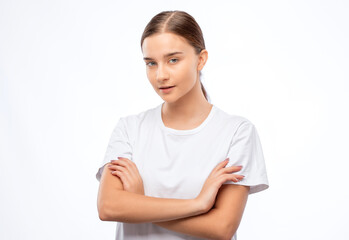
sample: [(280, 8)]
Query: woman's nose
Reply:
[(161, 73)]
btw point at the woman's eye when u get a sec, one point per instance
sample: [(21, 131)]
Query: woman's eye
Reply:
[(150, 63), (175, 60)]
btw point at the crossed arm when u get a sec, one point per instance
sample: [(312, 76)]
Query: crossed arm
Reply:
[(221, 222), (181, 215)]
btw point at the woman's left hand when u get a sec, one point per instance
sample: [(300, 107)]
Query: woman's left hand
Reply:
[(127, 171)]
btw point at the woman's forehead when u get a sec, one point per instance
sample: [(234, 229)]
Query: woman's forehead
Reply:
[(161, 44)]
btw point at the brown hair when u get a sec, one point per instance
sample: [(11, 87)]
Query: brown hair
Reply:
[(180, 23)]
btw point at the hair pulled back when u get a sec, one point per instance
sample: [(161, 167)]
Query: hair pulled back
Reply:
[(180, 23)]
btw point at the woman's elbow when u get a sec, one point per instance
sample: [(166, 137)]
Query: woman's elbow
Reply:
[(102, 216), (228, 232), (105, 213), (227, 236), (102, 212)]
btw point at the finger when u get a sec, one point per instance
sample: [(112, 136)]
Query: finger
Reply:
[(118, 174), (215, 172), (125, 172), (121, 162), (229, 177), (231, 169), (123, 158), (221, 164), (125, 162), (116, 167), (121, 175), (233, 178), (128, 175), (130, 165), (239, 177)]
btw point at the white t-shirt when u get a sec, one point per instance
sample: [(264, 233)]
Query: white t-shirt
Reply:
[(176, 163)]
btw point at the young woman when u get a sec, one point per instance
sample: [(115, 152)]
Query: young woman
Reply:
[(167, 175)]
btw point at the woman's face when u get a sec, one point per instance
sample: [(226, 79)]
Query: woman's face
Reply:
[(171, 61)]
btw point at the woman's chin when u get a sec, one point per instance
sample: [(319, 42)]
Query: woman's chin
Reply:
[(168, 99)]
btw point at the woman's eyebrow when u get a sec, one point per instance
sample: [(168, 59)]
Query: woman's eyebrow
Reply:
[(166, 55)]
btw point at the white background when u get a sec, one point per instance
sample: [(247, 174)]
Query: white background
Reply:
[(69, 69)]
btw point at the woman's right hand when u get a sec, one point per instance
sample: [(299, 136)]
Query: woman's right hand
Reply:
[(214, 181)]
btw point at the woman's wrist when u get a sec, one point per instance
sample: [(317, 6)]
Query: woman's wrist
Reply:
[(198, 207)]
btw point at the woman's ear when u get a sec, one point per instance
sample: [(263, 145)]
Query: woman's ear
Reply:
[(202, 59)]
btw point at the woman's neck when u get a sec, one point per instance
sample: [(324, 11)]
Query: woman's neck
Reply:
[(186, 113)]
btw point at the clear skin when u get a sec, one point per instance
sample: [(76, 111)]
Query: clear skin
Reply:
[(185, 107)]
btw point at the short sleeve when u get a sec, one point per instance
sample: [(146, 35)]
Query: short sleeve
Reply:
[(246, 151), (118, 146)]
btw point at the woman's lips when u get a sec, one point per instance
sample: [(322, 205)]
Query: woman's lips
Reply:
[(166, 90)]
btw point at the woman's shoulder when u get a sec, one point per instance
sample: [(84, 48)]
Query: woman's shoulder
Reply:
[(226, 118)]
